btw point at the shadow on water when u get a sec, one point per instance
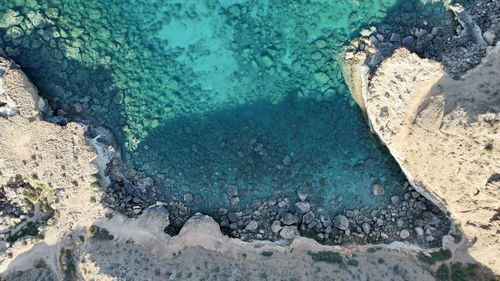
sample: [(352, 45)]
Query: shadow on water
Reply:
[(267, 150), (329, 149)]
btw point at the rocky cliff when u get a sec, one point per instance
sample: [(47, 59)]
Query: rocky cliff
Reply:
[(444, 133)]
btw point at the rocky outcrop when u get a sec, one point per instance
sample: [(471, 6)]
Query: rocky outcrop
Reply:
[(444, 133)]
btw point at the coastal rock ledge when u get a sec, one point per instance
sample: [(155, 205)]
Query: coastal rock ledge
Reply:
[(445, 135)]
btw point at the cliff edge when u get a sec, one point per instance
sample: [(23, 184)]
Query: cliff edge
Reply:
[(444, 133)]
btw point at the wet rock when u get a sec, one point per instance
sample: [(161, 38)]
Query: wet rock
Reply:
[(288, 232), (430, 218), (286, 160), (303, 192), (302, 207), (308, 217), (408, 40), (157, 208), (289, 219), (419, 231), (395, 38), (489, 37), (400, 223), (383, 235), (377, 190), (144, 184), (395, 200), (276, 226), (252, 226), (404, 234), (188, 197), (233, 217), (341, 222), (321, 78), (52, 13), (366, 227), (235, 201), (232, 190)]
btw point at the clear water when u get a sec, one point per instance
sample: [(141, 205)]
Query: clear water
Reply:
[(202, 94)]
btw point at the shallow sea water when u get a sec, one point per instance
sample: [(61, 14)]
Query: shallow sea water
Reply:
[(204, 94)]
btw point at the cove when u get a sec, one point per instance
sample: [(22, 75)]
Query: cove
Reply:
[(205, 95)]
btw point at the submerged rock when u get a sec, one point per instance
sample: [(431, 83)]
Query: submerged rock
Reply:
[(377, 190), (302, 207)]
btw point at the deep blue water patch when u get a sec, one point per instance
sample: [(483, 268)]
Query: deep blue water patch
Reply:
[(206, 94)]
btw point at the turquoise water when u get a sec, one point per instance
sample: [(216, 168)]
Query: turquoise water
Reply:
[(202, 94)]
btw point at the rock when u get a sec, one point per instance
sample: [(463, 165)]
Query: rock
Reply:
[(283, 203), (276, 226), (383, 235), (286, 160), (341, 222), (430, 218), (316, 56), (267, 61), (252, 226), (395, 200), (137, 210), (400, 223), (302, 207), (308, 217), (321, 77), (188, 197), (233, 217), (157, 208), (421, 205), (288, 232), (232, 190), (404, 234), (377, 190), (320, 43), (408, 40), (395, 38), (489, 37), (380, 222), (10, 18), (235, 201), (52, 13), (289, 219), (303, 192), (419, 231), (429, 238), (144, 184), (366, 227)]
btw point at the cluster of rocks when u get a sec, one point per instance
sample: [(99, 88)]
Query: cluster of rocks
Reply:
[(459, 46), (408, 218)]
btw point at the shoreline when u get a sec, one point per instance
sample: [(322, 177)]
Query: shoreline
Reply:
[(103, 146)]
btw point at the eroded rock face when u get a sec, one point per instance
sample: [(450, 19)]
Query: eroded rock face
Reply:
[(444, 133)]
